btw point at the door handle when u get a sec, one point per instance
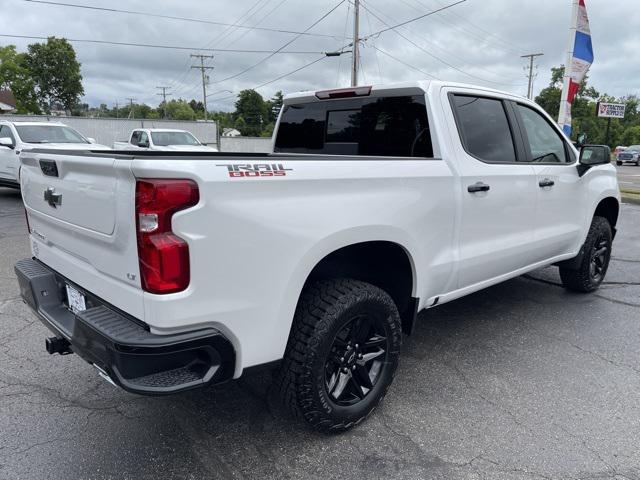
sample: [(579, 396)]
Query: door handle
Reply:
[(546, 183), (478, 187)]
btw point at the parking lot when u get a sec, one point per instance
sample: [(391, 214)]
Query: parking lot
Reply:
[(521, 381), (629, 177)]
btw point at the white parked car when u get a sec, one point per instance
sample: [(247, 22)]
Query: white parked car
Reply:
[(18, 136), (169, 273), (163, 140)]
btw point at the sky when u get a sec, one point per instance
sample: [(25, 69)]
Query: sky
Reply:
[(476, 41)]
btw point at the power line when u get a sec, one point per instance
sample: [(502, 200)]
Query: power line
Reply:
[(419, 47), (413, 67), (307, 65), (433, 46), (508, 45), (282, 47), (428, 14), (169, 47), (173, 17)]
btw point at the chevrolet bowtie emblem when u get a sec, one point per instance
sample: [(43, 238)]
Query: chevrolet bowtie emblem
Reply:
[(52, 198)]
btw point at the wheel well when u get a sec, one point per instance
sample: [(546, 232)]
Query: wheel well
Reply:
[(383, 264), (609, 209)]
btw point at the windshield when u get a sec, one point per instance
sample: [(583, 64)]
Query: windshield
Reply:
[(49, 134), (634, 147), (164, 139)]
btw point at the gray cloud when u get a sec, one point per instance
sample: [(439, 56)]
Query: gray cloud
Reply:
[(488, 49)]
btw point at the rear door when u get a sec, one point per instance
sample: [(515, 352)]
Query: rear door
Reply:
[(562, 206), (498, 189), (81, 214)]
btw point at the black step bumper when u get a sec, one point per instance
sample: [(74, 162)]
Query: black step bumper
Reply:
[(122, 347)]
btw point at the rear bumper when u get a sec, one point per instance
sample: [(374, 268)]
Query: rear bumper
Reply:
[(122, 347)]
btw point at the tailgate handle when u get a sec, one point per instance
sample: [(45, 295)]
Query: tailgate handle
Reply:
[(52, 198)]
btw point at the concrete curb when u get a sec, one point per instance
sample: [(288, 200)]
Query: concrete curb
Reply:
[(633, 199)]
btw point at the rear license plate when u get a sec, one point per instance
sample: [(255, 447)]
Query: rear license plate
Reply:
[(76, 300)]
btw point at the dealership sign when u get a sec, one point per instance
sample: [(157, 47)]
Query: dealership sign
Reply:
[(611, 110)]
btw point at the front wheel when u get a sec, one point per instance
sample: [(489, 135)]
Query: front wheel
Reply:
[(595, 261), (619, 163), (342, 353)]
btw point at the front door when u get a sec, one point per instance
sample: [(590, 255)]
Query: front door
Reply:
[(562, 206)]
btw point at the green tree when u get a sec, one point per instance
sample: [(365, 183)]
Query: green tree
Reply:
[(631, 136), (273, 106), (14, 76), (55, 72), (251, 107), (180, 110)]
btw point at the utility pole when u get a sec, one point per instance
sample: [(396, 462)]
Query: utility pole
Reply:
[(203, 69), (531, 76), (117, 107), (356, 43), (164, 95), (131, 100)]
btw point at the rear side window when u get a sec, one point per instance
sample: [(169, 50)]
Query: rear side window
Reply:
[(135, 137), (389, 126), (484, 128)]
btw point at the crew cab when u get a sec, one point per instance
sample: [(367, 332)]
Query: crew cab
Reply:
[(163, 140), (170, 270), (18, 136)]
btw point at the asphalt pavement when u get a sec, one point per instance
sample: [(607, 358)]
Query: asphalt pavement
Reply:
[(629, 177), (521, 381)]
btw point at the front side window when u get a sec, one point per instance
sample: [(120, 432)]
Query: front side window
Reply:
[(49, 134), (484, 128), (144, 138), (5, 132), (371, 126), (135, 137), (544, 141)]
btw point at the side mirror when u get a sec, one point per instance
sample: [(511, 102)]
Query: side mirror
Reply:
[(7, 142), (591, 155), (143, 144), (91, 139)]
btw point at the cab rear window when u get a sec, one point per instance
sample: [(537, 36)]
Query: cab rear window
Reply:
[(388, 126)]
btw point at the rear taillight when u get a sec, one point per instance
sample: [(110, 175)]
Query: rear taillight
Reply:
[(163, 256)]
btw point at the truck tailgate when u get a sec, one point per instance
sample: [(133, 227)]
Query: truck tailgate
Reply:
[(81, 213)]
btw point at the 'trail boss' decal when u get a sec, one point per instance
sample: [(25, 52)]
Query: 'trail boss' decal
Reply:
[(256, 170)]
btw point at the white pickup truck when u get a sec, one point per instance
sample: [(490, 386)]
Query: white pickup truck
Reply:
[(18, 136), (170, 271), (163, 140)]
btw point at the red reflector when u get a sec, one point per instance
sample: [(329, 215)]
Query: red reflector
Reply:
[(344, 93), (163, 256)]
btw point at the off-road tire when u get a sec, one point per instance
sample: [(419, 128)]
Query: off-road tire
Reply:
[(324, 310), (582, 279)]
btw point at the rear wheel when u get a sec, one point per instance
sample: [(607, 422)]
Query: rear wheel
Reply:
[(595, 262), (342, 354)]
